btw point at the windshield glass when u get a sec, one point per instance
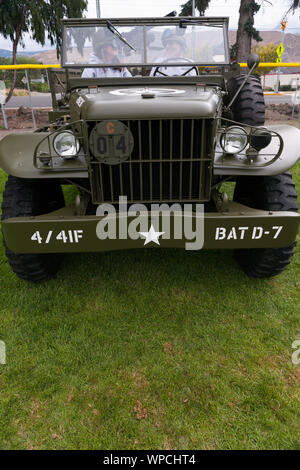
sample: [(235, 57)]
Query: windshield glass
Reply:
[(141, 45)]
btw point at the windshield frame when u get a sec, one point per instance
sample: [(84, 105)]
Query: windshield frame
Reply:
[(221, 22)]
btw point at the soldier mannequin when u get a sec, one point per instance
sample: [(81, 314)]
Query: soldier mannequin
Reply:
[(105, 51), (175, 47)]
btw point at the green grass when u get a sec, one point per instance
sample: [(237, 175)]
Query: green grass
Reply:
[(150, 349)]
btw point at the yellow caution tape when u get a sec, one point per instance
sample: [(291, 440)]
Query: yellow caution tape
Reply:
[(58, 66), (29, 66)]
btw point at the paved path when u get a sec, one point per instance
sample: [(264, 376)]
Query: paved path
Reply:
[(277, 99), (42, 100)]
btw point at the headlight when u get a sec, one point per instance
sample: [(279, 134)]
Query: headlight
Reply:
[(234, 139), (66, 145), (260, 138)]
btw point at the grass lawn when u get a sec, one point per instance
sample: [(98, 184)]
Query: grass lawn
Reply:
[(150, 349)]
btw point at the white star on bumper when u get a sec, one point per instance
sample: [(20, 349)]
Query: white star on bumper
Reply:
[(151, 236)]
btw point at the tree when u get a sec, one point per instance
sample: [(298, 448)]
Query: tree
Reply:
[(200, 5), (294, 4), (246, 30), (267, 53), (40, 18)]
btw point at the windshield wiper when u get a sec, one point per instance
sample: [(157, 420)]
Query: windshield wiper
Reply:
[(114, 30)]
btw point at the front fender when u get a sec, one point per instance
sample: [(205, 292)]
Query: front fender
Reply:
[(288, 158), (16, 157)]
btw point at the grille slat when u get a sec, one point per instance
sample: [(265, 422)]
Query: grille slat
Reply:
[(130, 173), (171, 153), (150, 156), (202, 156), (140, 157), (191, 157), (111, 184), (101, 180), (170, 162), (121, 180), (181, 156), (160, 157)]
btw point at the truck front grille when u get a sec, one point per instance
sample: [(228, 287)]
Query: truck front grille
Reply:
[(171, 162)]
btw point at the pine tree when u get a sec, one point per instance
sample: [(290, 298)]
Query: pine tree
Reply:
[(200, 5)]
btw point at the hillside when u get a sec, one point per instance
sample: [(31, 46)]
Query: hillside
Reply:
[(7, 53), (47, 57)]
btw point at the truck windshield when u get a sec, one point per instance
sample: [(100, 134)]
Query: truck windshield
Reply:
[(153, 45)]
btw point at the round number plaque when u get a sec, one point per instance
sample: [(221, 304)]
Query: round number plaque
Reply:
[(111, 142)]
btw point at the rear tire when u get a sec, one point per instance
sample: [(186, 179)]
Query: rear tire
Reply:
[(24, 198), (271, 193)]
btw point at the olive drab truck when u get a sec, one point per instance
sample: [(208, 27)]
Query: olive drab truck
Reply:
[(150, 112)]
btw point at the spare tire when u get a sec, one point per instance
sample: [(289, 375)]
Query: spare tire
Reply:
[(249, 105)]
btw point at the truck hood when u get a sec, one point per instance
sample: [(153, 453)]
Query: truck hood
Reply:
[(146, 103)]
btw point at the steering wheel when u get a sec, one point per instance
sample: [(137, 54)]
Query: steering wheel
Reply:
[(173, 59)]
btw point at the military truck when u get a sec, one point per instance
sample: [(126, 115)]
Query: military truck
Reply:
[(151, 112)]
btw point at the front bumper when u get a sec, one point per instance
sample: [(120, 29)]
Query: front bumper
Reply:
[(63, 231)]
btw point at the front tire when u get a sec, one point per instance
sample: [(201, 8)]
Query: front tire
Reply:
[(270, 193), (24, 198)]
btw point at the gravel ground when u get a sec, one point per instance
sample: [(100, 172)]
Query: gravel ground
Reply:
[(22, 119), (281, 112)]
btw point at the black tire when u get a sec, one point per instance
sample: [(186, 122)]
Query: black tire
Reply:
[(249, 105), (23, 198), (272, 193)]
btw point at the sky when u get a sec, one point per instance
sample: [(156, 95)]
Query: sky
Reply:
[(268, 17)]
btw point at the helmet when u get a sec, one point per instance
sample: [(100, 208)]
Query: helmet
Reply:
[(103, 38), (169, 36), (111, 42)]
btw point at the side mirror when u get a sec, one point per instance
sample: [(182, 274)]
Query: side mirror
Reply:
[(253, 59)]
